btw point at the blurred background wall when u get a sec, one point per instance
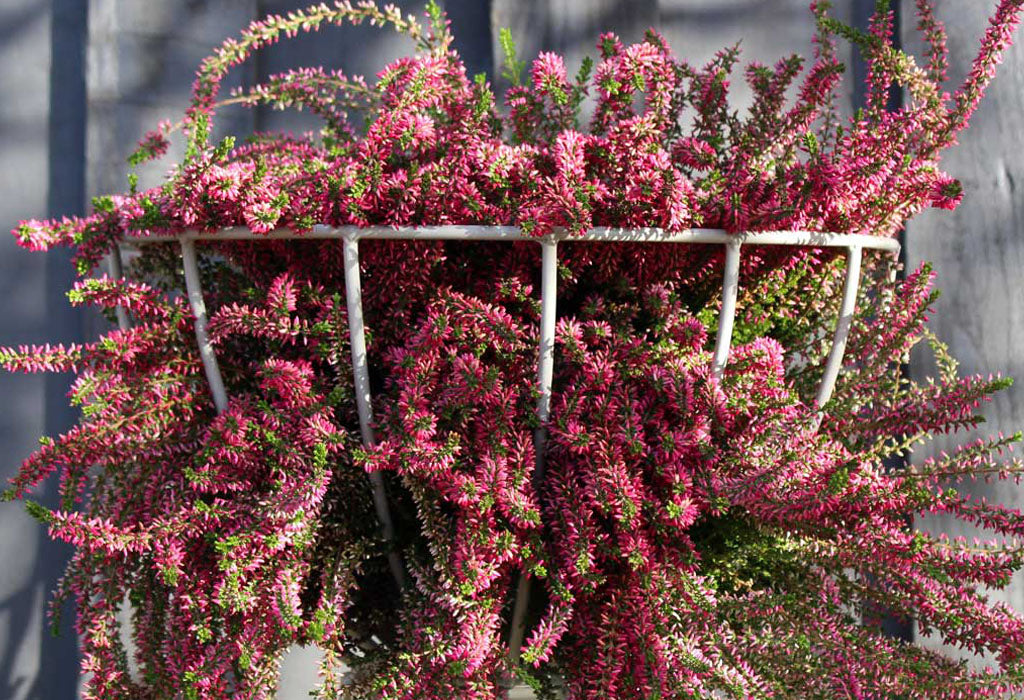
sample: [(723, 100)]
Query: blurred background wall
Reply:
[(978, 254), (81, 80)]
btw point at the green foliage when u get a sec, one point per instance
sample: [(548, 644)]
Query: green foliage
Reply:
[(512, 68)]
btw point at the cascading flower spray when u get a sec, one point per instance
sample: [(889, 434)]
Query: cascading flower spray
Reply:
[(692, 536)]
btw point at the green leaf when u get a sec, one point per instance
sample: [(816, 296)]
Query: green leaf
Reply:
[(512, 69), (41, 513)]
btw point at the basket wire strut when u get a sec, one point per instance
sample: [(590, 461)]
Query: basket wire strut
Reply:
[(545, 373), (361, 376), (194, 289), (854, 244), (726, 317), (847, 308)]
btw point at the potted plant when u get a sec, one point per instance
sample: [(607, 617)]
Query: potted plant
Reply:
[(695, 522)]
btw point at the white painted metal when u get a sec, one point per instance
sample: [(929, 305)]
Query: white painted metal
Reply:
[(193, 287), (545, 373), (117, 272), (811, 239), (846, 310), (730, 289), (548, 316), (364, 405)]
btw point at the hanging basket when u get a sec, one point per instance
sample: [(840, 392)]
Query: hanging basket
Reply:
[(852, 246)]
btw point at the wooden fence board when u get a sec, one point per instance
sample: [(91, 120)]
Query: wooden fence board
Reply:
[(978, 253)]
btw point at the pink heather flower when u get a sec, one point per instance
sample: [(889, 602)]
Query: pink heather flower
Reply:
[(153, 145), (694, 153), (548, 73), (947, 193), (685, 534)]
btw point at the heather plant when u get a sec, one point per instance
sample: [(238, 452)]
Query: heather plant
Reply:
[(692, 536)]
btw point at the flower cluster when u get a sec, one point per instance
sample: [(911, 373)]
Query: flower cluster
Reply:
[(690, 535), (436, 149)]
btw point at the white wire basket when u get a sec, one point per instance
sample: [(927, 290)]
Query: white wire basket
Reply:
[(852, 245)]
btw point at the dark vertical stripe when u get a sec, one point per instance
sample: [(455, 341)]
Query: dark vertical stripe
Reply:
[(68, 33), (58, 677), (256, 71), (861, 17), (896, 98), (862, 11), (471, 26), (894, 627)]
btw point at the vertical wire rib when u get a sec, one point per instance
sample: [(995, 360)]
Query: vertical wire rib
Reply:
[(846, 310), (117, 273), (546, 355), (361, 377), (545, 372), (193, 286), (730, 289)]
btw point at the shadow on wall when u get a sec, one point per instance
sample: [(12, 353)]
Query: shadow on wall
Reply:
[(42, 106), (34, 665)]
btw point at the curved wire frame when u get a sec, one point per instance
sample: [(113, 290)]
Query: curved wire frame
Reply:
[(852, 244)]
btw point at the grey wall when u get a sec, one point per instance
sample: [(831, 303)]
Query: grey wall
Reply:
[(978, 253), (81, 80), (41, 145)]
